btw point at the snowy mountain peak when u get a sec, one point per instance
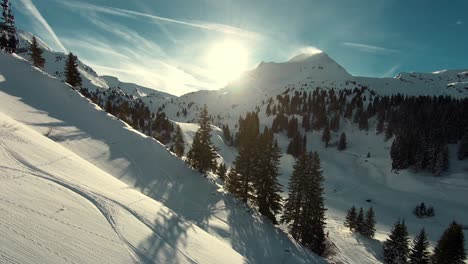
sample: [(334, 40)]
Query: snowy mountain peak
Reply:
[(309, 56), (301, 69)]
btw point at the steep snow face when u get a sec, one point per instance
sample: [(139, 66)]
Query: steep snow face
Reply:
[(189, 210)]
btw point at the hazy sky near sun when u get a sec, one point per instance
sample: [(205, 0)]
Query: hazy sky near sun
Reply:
[(180, 46)]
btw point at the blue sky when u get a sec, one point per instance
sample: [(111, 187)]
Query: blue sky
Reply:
[(179, 45)]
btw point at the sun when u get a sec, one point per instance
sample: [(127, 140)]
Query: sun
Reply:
[(227, 59)]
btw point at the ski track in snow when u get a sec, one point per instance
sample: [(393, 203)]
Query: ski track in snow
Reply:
[(100, 202)]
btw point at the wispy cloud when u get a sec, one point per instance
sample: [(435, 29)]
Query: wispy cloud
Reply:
[(221, 28), (137, 59), (46, 29), (369, 48), (459, 22)]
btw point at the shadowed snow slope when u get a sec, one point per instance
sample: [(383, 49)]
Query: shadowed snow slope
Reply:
[(188, 220)]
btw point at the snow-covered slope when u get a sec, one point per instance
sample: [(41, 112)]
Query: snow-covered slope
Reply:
[(59, 208), (186, 210)]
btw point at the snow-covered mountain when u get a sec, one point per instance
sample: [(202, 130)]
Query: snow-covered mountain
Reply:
[(80, 186), (184, 211)]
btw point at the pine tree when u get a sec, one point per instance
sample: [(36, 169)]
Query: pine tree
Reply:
[(8, 19), (265, 184), (342, 143), (463, 147), (227, 135), (363, 121), (360, 224), (419, 253), (451, 246), (351, 218), (326, 135), (395, 248), (369, 223), (222, 170), (242, 174), (305, 207), (380, 126), (202, 155), (36, 54), (72, 74), (294, 206), (179, 143), (399, 153), (430, 211)]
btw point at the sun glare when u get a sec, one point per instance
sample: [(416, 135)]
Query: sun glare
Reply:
[(227, 59)]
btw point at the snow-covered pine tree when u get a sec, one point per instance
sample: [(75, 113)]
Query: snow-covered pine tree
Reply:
[(179, 143), (342, 143), (396, 247), (369, 223), (326, 135), (360, 224), (451, 246), (419, 253), (72, 74), (36, 54), (266, 186), (351, 217), (202, 155)]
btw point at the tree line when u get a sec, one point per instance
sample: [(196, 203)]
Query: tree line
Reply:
[(422, 126)]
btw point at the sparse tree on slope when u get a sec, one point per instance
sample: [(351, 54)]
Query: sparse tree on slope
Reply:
[(179, 143), (451, 246), (342, 144), (71, 71), (326, 135), (369, 223), (360, 225), (419, 253), (351, 218), (36, 54), (202, 155), (395, 248)]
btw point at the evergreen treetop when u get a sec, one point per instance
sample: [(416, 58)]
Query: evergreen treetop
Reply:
[(451, 246), (419, 253), (72, 75), (396, 247), (36, 54)]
